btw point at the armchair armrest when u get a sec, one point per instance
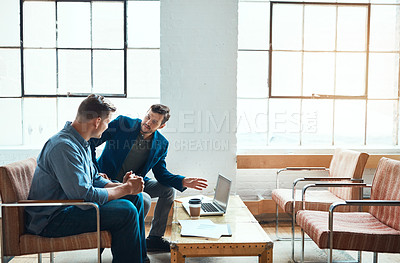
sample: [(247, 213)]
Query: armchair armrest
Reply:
[(303, 168), (298, 169), (23, 203), (304, 179), (48, 201), (303, 193)]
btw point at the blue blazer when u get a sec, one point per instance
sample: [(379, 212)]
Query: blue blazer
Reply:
[(120, 137)]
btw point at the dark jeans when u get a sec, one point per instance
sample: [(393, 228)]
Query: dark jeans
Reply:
[(124, 218)]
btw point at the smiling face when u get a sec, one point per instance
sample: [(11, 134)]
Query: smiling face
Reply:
[(151, 122)]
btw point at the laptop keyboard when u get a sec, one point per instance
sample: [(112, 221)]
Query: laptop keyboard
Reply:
[(208, 207)]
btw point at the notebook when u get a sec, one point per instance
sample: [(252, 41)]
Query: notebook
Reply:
[(220, 201)]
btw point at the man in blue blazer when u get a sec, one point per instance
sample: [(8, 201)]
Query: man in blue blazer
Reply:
[(137, 146)]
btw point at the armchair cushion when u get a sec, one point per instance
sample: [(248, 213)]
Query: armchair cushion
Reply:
[(352, 231), (37, 244), (316, 200), (386, 186), (15, 181)]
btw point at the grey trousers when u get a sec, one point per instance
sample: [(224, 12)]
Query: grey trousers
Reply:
[(166, 196)]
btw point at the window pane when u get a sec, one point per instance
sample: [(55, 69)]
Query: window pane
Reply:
[(252, 76), (10, 72), (286, 74), (252, 123), (39, 120), (40, 71), (108, 71), (317, 122), (384, 21), (319, 27), (350, 74), (39, 30), (74, 71), (352, 28), (349, 122), (318, 73), (383, 75), (73, 25), (144, 73), (143, 24), (11, 132), (108, 25), (253, 25), (67, 109), (284, 122), (134, 108), (287, 26), (380, 123), (9, 23)]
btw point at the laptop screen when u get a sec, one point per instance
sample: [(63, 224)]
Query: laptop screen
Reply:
[(222, 191)]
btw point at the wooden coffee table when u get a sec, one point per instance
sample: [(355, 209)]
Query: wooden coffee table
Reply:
[(248, 238)]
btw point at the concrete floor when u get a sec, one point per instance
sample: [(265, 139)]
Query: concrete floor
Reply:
[(282, 252)]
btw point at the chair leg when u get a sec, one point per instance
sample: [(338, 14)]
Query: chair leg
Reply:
[(302, 246), (375, 260), (39, 258), (277, 223), (293, 234), (359, 259), (52, 257)]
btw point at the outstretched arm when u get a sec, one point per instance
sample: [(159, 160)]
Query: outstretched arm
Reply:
[(195, 183)]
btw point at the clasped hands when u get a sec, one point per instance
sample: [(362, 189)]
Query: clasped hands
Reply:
[(134, 183)]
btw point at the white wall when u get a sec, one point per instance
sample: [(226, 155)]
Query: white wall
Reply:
[(198, 82)]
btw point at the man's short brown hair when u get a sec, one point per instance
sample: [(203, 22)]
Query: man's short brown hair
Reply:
[(161, 109), (94, 106)]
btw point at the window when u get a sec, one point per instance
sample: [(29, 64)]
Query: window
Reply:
[(318, 74), (55, 53)]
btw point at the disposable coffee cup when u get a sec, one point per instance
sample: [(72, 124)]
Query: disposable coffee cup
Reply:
[(194, 207)]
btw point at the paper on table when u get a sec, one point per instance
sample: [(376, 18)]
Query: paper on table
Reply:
[(203, 228)]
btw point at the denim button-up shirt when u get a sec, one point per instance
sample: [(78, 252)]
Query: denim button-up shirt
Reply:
[(64, 171)]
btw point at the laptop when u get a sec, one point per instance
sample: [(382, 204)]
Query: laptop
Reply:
[(220, 201)]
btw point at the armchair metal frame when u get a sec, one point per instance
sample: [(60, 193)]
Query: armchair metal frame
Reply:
[(331, 208), (24, 203), (294, 185)]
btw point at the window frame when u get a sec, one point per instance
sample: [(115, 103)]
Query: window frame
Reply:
[(22, 48), (246, 146), (318, 96)]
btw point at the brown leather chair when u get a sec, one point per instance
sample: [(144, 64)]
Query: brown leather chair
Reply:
[(15, 182), (346, 165), (377, 230)]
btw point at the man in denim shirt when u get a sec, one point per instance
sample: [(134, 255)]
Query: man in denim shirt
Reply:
[(65, 171)]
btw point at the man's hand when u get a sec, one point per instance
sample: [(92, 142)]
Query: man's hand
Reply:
[(104, 176), (135, 184), (195, 183), (127, 176)]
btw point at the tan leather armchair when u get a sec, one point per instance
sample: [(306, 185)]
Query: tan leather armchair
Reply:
[(15, 182)]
